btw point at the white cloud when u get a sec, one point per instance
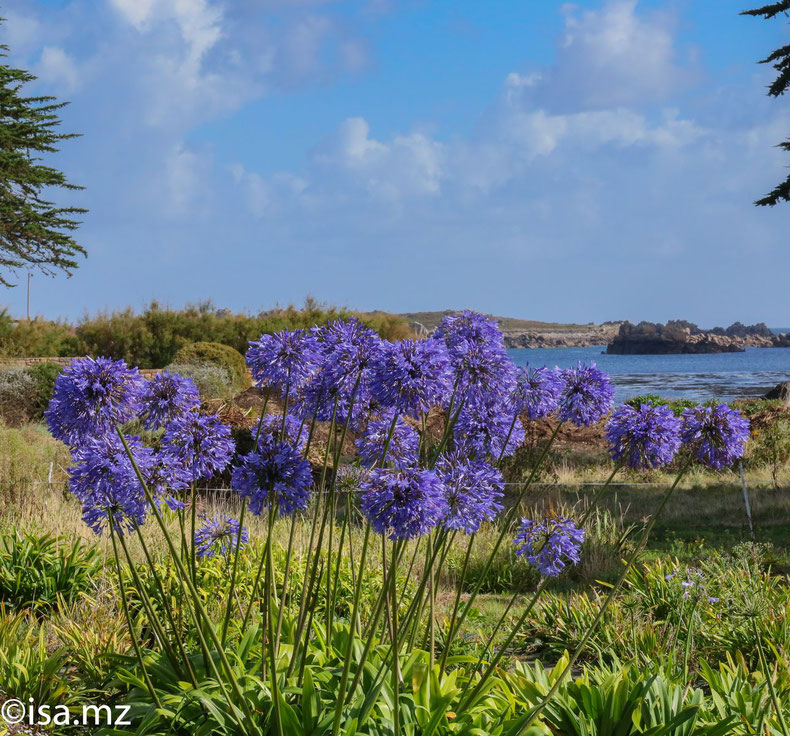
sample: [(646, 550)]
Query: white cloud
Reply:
[(56, 66)]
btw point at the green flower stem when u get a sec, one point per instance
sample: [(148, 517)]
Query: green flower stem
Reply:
[(132, 634), (457, 600), (507, 439), (607, 601), (186, 578), (768, 678), (232, 588), (166, 604), (351, 635), (458, 620), (193, 515), (599, 493), (286, 581), (396, 674)]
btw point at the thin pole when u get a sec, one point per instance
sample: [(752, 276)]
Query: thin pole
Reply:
[(29, 276)]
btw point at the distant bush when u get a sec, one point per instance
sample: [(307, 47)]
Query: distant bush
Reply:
[(678, 406), (44, 375), (35, 338), (213, 381), (18, 398), (217, 354)]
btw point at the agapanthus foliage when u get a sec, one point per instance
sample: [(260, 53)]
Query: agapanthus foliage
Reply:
[(411, 376), (103, 478), (537, 392), (488, 429), (283, 360), (91, 396), (219, 535), (275, 473), (167, 396), (647, 437), (473, 490), (715, 435), (403, 503), (549, 545), (201, 443), (587, 395), (403, 446)]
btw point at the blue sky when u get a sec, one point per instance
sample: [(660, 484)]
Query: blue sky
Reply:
[(566, 162)]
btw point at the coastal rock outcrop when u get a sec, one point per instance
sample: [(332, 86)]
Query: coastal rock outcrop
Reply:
[(780, 391), (681, 337)]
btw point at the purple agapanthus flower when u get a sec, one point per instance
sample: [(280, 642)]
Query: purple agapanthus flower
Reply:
[(403, 446), (587, 395), (716, 435), (537, 392), (411, 376), (275, 472), (167, 478), (91, 396), (479, 361), (201, 443), (167, 396), (403, 503), (647, 437), (296, 430), (286, 359), (550, 545), (473, 489), (103, 478), (488, 429), (219, 535)]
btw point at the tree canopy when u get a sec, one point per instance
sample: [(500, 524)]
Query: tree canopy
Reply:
[(780, 59), (34, 231)]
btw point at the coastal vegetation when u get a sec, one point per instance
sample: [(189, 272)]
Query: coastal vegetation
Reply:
[(394, 538)]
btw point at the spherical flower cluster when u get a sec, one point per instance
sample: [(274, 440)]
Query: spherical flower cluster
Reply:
[(587, 395), (283, 360), (537, 392), (411, 376), (277, 473), (219, 535), (473, 489), (550, 545), (647, 437), (488, 429), (91, 396), (166, 397), (716, 435), (403, 445), (200, 443), (296, 430), (103, 478), (166, 477), (403, 503), (469, 326)]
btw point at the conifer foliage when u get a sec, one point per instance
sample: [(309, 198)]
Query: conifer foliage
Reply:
[(34, 231), (780, 59)]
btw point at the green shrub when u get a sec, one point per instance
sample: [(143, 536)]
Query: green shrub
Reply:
[(678, 406), (37, 570), (770, 446), (213, 353), (212, 381), (18, 399), (44, 375)]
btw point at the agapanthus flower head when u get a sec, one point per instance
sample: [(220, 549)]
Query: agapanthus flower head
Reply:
[(296, 430), (470, 327), (201, 443), (404, 503), (715, 435), (473, 489), (647, 437), (347, 347), (91, 396), (488, 429), (167, 396), (349, 478), (286, 359), (403, 447), (550, 545), (167, 478), (275, 473), (103, 478), (587, 395), (537, 392), (219, 535), (411, 376)]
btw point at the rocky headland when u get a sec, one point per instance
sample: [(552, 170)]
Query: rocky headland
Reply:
[(681, 337)]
